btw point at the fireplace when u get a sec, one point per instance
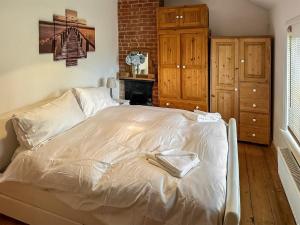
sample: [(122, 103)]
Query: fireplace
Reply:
[(138, 92)]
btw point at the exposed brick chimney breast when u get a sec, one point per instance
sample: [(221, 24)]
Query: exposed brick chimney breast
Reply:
[(137, 30)]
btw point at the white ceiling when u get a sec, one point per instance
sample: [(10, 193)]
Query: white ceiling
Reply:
[(267, 4)]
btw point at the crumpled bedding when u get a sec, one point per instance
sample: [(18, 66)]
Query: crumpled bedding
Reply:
[(100, 166)]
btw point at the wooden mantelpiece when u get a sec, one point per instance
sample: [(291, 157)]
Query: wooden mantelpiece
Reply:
[(137, 79)]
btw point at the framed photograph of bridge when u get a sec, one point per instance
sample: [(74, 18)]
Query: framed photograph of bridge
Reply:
[(67, 37)]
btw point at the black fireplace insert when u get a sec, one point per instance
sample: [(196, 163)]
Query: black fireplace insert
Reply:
[(138, 92)]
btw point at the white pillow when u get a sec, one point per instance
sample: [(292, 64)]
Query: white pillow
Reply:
[(41, 123), (92, 100)]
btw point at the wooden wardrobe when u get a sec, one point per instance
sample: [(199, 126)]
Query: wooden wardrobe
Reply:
[(241, 84), (183, 57)]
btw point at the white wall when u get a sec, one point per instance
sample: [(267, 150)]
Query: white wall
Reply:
[(232, 17), (281, 13), (25, 75)]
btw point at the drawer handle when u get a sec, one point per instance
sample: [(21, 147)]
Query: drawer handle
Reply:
[(254, 120), (254, 105), (178, 66), (242, 61), (253, 135), (177, 17), (181, 17), (168, 104), (183, 67), (254, 90), (197, 107), (235, 89)]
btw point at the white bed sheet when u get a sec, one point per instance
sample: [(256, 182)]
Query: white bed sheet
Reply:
[(99, 166)]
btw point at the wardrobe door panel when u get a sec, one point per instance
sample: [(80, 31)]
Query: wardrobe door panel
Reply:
[(194, 65), (194, 85), (224, 103), (194, 16), (255, 59), (169, 83), (169, 52), (224, 77), (169, 65), (168, 18)]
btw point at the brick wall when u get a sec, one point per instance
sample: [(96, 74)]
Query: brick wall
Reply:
[(137, 30)]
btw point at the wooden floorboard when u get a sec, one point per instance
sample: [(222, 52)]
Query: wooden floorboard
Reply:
[(263, 201), (267, 198)]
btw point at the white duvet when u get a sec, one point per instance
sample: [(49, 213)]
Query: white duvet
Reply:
[(100, 166)]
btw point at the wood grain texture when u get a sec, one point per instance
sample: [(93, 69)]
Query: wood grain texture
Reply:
[(224, 78), (183, 68), (183, 17), (255, 55), (241, 84), (169, 60), (194, 16), (194, 60), (263, 201)]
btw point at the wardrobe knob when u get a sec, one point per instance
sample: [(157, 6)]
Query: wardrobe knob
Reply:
[(254, 120), (253, 135), (254, 105), (177, 17), (167, 104), (181, 17), (197, 107), (178, 66), (254, 90), (242, 61), (183, 67), (235, 89)]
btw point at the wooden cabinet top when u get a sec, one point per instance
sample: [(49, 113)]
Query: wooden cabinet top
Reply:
[(184, 6), (183, 17)]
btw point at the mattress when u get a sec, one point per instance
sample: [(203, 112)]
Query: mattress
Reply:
[(99, 167)]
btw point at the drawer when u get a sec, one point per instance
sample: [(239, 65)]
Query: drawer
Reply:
[(182, 104), (254, 105), (254, 119), (254, 90), (254, 134)]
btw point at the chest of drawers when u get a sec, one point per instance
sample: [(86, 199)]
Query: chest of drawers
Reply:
[(241, 85)]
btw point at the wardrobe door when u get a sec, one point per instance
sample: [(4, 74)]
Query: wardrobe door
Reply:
[(168, 18), (194, 64), (224, 77), (169, 65), (196, 16), (255, 65)]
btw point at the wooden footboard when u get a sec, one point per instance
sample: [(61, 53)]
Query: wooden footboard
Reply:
[(232, 210)]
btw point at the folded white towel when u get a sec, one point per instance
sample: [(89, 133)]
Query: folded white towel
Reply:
[(208, 117), (177, 163)]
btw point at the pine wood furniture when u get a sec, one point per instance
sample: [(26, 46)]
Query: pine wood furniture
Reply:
[(241, 84), (183, 57), (183, 17)]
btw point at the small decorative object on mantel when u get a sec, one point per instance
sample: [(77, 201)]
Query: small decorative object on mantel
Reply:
[(140, 66), (135, 60), (67, 37)]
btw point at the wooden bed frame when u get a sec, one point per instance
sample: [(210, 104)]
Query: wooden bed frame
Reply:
[(34, 210)]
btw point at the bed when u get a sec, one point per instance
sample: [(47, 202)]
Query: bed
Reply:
[(125, 189)]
